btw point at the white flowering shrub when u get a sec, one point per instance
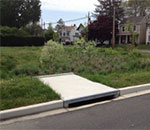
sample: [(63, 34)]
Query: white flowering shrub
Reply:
[(81, 43), (86, 49), (51, 52)]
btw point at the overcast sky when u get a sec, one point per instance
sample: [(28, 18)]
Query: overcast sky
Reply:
[(53, 10), (69, 5)]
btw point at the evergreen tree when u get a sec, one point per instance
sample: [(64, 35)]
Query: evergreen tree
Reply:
[(138, 7), (106, 8)]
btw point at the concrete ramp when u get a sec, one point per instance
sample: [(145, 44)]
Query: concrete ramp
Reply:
[(74, 89)]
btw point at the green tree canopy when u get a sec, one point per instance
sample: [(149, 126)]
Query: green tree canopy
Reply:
[(106, 8), (19, 12), (137, 7), (49, 33)]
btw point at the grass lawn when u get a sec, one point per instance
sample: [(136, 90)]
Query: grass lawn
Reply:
[(18, 87), (117, 68), (141, 47), (23, 91), (120, 80)]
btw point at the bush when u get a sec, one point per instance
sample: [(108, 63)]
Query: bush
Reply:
[(21, 41), (33, 30), (51, 52), (7, 31), (81, 43)]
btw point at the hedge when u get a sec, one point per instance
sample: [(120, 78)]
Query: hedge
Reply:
[(21, 41)]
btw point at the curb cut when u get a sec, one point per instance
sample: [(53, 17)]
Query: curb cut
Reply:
[(133, 89), (32, 109)]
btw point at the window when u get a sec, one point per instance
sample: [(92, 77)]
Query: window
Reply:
[(67, 33), (60, 33), (64, 34), (134, 28), (123, 28)]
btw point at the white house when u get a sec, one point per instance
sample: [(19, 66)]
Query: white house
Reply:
[(68, 33), (148, 36)]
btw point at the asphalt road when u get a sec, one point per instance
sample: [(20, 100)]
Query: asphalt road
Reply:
[(132, 113), (144, 51)]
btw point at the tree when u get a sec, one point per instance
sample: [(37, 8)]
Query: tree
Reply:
[(55, 37), (129, 27), (49, 34), (19, 12), (137, 7), (106, 8), (33, 29), (60, 24), (84, 33), (101, 29)]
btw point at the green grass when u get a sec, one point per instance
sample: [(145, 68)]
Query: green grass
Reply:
[(139, 46), (18, 87), (117, 68), (120, 80), (23, 91)]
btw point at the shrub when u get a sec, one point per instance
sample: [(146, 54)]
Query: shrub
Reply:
[(21, 41), (51, 52), (81, 43), (33, 29), (7, 31)]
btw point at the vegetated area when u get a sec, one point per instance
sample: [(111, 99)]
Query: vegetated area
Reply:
[(18, 87), (124, 66)]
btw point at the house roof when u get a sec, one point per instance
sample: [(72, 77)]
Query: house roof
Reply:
[(67, 28), (136, 20), (80, 26)]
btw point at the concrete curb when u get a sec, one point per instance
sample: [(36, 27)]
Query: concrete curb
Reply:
[(114, 93), (54, 75), (133, 89), (32, 109)]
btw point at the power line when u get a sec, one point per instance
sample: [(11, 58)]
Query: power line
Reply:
[(67, 21), (72, 20)]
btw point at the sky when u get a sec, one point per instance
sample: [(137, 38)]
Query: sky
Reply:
[(53, 10)]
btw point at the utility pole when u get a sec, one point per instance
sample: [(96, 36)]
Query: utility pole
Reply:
[(89, 18), (44, 25), (88, 25), (113, 33)]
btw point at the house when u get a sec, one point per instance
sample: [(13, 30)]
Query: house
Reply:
[(148, 36), (80, 28), (138, 26), (68, 33)]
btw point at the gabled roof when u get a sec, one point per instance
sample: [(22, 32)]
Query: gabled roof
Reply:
[(80, 26), (67, 28), (136, 20)]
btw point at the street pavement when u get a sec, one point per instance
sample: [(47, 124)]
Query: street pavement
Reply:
[(144, 51), (131, 113)]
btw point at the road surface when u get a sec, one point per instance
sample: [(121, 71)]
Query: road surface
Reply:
[(131, 113)]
